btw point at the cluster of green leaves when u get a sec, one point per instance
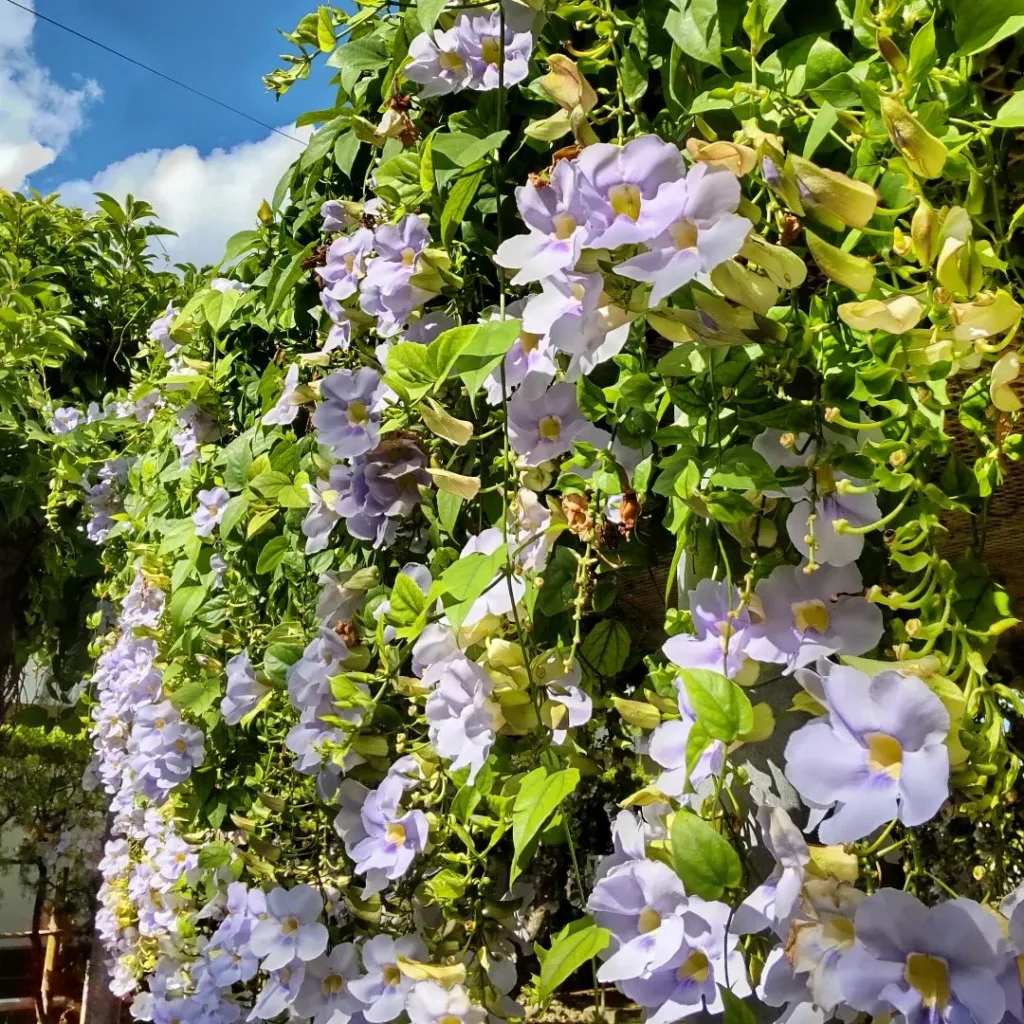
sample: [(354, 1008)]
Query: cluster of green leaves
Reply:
[(77, 294)]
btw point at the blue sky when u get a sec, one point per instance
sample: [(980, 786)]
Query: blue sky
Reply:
[(219, 46), (76, 119)]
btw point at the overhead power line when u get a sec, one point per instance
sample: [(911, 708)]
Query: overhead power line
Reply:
[(159, 74)]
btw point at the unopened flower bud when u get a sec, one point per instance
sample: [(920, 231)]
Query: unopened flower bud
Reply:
[(924, 233), (1004, 373), (831, 197), (831, 413), (854, 272), (893, 55), (925, 154), (901, 245), (975, 202)]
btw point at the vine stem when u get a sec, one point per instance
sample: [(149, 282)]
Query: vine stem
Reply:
[(598, 1002)]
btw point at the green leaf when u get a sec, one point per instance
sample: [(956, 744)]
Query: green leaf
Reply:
[(216, 855), (346, 149), (269, 483), (447, 885), (1011, 113), (278, 658), (272, 554), (696, 743), (325, 30), (290, 277), (703, 858), (923, 55), (824, 121), (368, 53), (737, 1011), (457, 203), (407, 602), (236, 459), (240, 242), (606, 648), (824, 61), (703, 28), (464, 581), (320, 145), (539, 794), (292, 496), (719, 705), (743, 469), (448, 506), (758, 20), (980, 24), (348, 693), (258, 521), (427, 12), (197, 695), (635, 75), (570, 949), (184, 604), (451, 151), (234, 513), (409, 370), (484, 351)]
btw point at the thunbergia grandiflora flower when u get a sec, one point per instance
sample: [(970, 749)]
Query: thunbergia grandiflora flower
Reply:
[(928, 964), (826, 496), (813, 615), (545, 427), (722, 625), (689, 982), (244, 693), (387, 291), (382, 840), (291, 930), (286, 407), (879, 755), (641, 902), (348, 418), (468, 56), (462, 716), (212, 502), (160, 330)]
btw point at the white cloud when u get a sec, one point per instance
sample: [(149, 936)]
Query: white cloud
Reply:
[(206, 199), (37, 115)]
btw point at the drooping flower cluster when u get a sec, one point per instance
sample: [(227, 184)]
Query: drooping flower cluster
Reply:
[(196, 426), (669, 952), (382, 840), (143, 750), (104, 499)]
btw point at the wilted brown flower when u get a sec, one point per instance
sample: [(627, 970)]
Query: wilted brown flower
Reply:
[(576, 509)]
